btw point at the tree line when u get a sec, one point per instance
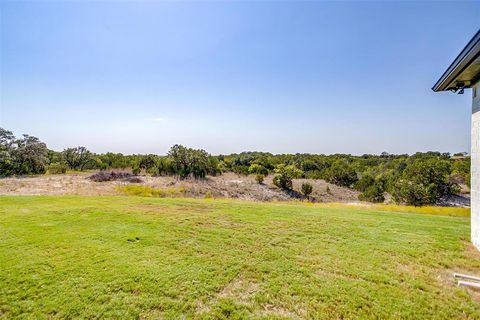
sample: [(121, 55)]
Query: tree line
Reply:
[(418, 179)]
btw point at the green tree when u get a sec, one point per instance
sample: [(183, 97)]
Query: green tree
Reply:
[(30, 156), (7, 144), (147, 162), (342, 174), (424, 181), (77, 158), (364, 182), (188, 162)]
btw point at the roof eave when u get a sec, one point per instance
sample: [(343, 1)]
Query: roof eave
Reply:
[(469, 54)]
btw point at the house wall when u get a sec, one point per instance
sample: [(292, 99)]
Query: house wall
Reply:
[(475, 169)]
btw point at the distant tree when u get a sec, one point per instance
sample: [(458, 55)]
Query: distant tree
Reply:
[(460, 154), (213, 166), (27, 155), (147, 162), (364, 182), (77, 158), (7, 142), (188, 162), (342, 174), (30, 156)]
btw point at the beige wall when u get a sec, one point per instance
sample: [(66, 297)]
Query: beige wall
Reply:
[(475, 170)]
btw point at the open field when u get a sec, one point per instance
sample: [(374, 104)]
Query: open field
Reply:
[(150, 258), (227, 185)]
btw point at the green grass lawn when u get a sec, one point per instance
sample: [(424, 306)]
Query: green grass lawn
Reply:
[(150, 258)]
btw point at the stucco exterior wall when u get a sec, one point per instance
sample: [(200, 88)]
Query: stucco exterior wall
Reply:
[(475, 169)]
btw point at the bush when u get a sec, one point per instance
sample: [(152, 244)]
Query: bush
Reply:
[(208, 195), (373, 193), (136, 170), (410, 193), (307, 189), (342, 174), (57, 168), (133, 180), (163, 167), (364, 183), (147, 162), (257, 169), (285, 175), (424, 182), (103, 176), (259, 178)]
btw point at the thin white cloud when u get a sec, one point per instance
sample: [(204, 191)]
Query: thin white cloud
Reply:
[(158, 119)]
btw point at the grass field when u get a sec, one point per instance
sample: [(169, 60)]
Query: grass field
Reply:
[(150, 258)]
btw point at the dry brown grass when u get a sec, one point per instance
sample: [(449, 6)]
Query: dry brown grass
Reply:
[(228, 185)]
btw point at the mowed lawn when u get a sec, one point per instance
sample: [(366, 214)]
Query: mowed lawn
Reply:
[(149, 258)]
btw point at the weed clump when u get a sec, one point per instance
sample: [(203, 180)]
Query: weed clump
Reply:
[(259, 178)]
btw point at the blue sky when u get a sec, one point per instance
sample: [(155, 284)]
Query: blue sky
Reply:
[(284, 77)]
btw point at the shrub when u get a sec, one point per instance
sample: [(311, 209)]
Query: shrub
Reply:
[(342, 174), (259, 178), (208, 195), (113, 175), (364, 182), (424, 182), (163, 167), (136, 170), (285, 175), (257, 169), (307, 189), (57, 168), (373, 193), (147, 162), (410, 193), (133, 180)]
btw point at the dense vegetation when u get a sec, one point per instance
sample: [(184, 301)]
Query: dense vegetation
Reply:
[(419, 179)]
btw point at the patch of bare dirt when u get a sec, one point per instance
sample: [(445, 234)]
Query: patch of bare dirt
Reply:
[(239, 290), (228, 185)]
